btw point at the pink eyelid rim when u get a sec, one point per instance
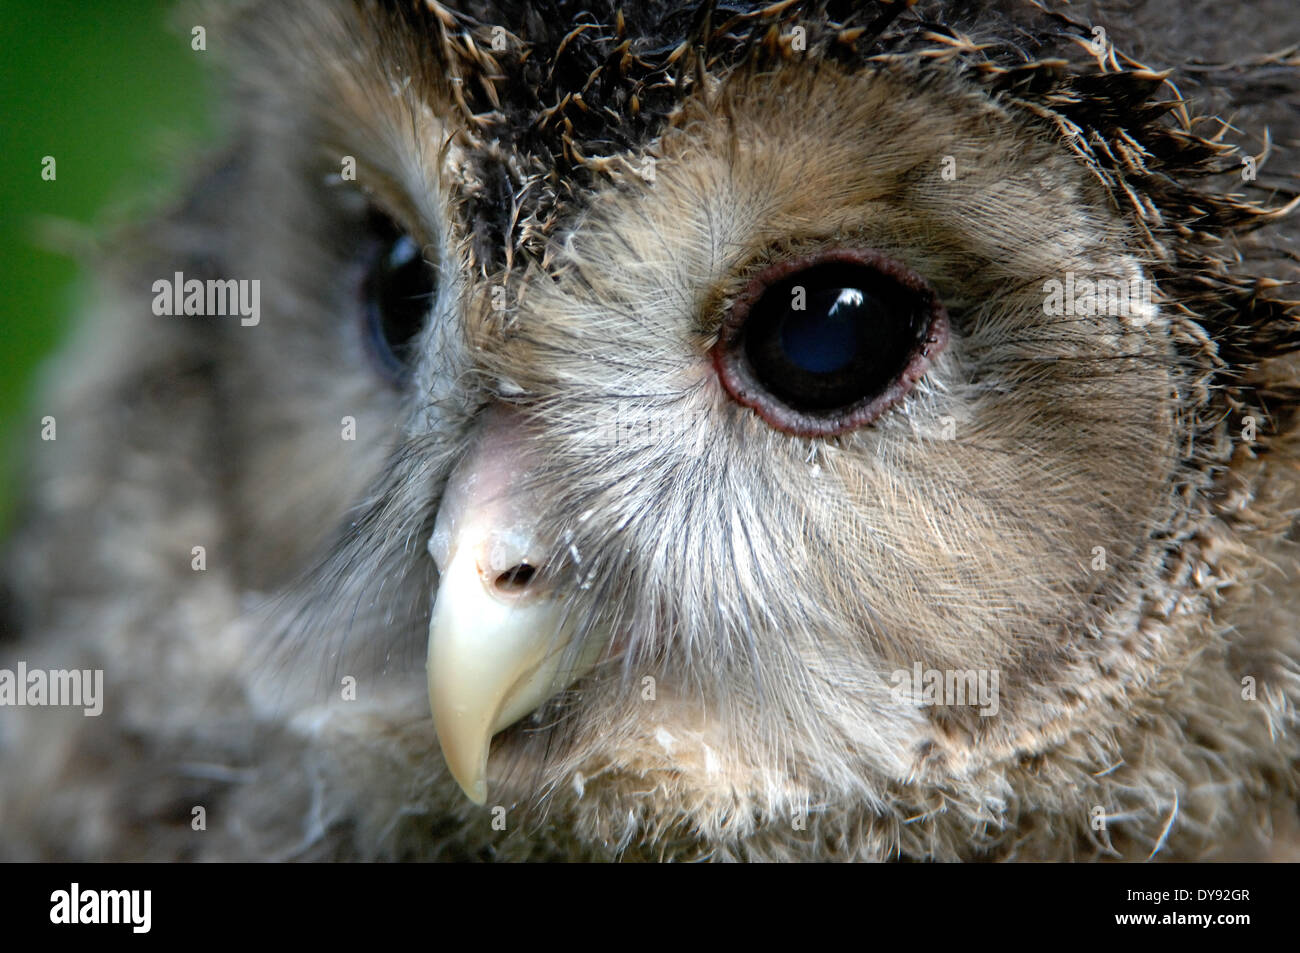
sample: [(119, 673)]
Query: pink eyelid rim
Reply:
[(738, 379)]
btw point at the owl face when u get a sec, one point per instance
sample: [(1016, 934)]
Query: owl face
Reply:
[(763, 431), (812, 552), (707, 450)]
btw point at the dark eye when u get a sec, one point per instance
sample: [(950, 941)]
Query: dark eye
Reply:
[(826, 343), (397, 294)]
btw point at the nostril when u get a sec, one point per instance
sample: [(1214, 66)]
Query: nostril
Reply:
[(515, 578)]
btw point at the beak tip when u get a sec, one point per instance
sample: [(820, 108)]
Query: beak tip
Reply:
[(465, 756), (469, 779)]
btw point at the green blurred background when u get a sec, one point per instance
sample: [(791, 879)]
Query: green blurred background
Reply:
[(115, 93)]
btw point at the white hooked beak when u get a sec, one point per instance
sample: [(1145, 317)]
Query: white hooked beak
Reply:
[(497, 639)]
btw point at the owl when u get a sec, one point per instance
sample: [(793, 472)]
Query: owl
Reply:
[(683, 430)]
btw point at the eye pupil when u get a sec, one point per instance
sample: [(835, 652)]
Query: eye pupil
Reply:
[(398, 294), (825, 344), (824, 336)]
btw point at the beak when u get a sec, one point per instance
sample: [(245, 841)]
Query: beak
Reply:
[(498, 640)]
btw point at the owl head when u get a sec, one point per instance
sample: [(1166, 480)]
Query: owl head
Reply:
[(795, 430)]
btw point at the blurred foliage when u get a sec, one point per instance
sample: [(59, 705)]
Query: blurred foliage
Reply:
[(115, 93)]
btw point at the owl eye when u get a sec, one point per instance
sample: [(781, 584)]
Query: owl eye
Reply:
[(826, 343), (397, 294)]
